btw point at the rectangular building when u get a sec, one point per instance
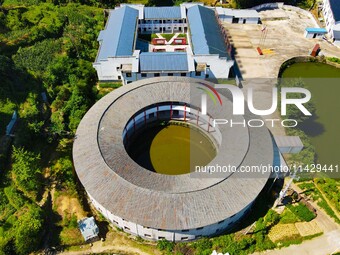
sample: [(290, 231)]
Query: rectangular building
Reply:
[(123, 56), (331, 12)]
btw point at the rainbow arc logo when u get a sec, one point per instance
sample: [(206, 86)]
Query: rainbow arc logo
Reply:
[(212, 93)]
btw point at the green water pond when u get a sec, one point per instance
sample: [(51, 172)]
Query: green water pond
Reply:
[(171, 149), (323, 81)]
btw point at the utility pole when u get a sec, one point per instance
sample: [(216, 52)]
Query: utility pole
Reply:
[(284, 191)]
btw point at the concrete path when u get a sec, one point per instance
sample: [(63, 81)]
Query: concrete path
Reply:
[(173, 38)]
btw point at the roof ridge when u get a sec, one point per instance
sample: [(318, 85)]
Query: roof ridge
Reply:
[(122, 23), (202, 25)]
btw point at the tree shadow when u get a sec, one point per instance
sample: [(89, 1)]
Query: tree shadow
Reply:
[(139, 145), (262, 204), (160, 3), (312, 127), (52, 230)]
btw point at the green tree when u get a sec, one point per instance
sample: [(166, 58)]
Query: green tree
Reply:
[(14, 197), (25, 171), (28, 230)]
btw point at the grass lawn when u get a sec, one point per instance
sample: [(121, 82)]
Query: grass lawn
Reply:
[(103, 88), (182, 36), (167, 36), (138, 1), (113, 85)]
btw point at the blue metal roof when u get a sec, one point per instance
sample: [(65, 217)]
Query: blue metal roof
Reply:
[(88, 228), (162, 12), (163, 61), (336, 34), (206, 36), (119, 35), (335, 6), (11, 124), (316, 30)]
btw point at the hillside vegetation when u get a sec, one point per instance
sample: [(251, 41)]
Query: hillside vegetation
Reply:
[(44, 48), (48, 47)]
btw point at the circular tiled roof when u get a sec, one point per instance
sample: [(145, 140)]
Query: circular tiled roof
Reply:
[(169, 202)]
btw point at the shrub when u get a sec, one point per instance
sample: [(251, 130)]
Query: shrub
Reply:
[(165, 245), (335, 60), (112, 85), (302, 212)]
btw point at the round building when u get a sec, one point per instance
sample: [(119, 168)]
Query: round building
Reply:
[(178, 205)]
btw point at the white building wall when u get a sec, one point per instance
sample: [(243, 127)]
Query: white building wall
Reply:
[(225, 18), (167, 26), (329, 18), (251, 20), (110, 69), (170, 235), (218, 67), (311, 35)]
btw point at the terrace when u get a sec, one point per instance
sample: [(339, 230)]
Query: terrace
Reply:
[(163, 43)]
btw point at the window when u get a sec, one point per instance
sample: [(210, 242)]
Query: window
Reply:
[(170, 74), (207, 76), (144, 75), (126, 228), (183, 74), (119, 77), (220, 222), (199, 228), (161, 238), (147, 235), (128, 75), (115, 222), (184, 238), (230, 223), (156, 75), (198, 73)]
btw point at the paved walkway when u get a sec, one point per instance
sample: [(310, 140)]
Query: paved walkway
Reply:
[(173, 38)]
